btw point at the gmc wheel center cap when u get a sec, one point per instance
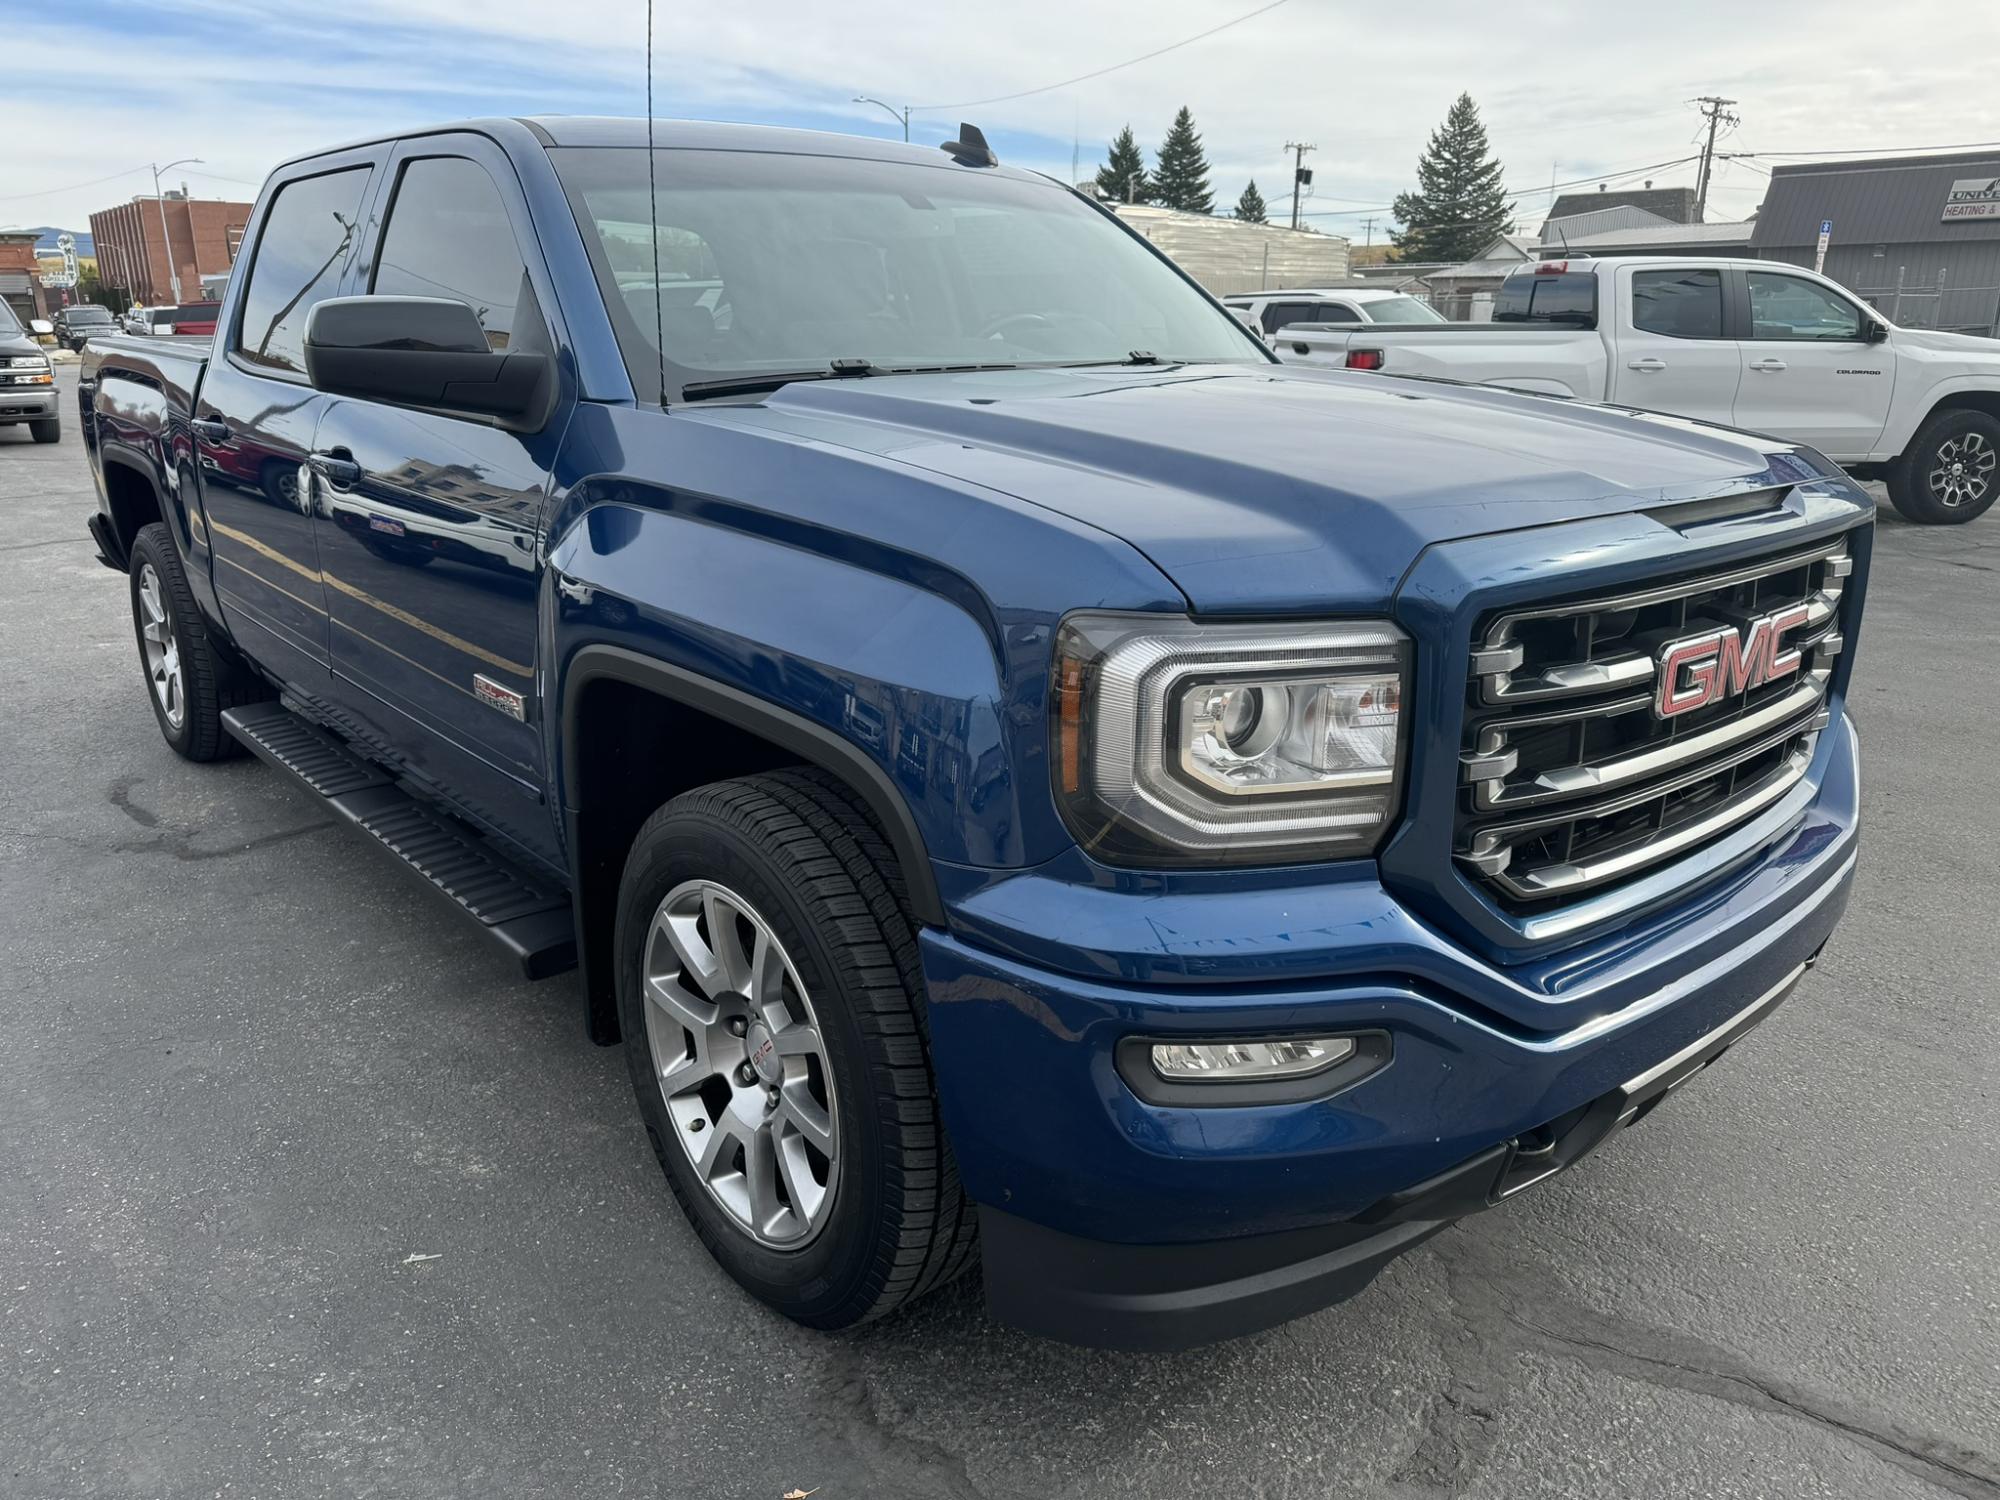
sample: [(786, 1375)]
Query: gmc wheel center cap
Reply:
[(762, 1049)]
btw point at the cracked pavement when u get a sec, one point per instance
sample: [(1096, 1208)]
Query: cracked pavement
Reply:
[(246, 1080)]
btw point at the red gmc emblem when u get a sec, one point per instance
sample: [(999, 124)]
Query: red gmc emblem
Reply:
[(1702, 669)]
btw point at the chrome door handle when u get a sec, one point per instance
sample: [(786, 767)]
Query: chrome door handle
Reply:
[(1647, 363), (1768, 365), (335, 470)]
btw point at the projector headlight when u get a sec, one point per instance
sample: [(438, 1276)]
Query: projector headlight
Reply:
[(1189, 743)]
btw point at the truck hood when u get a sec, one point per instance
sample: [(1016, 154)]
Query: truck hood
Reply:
[(1956, 345), (18, 343), (1275, 489)]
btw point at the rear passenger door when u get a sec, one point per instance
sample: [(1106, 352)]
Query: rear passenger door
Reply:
[(254, 421), (430, 526), (1672, 352)]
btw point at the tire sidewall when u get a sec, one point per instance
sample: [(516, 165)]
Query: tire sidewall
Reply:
[(813, 1282), (145, 550)]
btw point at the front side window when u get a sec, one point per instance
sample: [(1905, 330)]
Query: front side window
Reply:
[(1683, 304), (449, 236), (1790, 307), (308, 233), (770, 263)]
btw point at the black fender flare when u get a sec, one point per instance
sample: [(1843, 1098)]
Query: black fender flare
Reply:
[(796, 734)]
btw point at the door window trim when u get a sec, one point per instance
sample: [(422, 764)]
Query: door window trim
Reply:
[(230, 334)]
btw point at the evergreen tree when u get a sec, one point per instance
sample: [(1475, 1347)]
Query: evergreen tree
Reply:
[(1123, 178), (1460, 204), (1182, 179), (1250, 207)]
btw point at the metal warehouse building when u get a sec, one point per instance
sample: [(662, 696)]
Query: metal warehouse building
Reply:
[(1918, 236)]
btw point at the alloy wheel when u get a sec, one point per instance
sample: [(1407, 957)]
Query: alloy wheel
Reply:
[(741, 1064), (1962, 469), (161, 647)]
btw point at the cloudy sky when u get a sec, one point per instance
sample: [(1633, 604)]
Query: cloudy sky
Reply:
[(1569, 90)]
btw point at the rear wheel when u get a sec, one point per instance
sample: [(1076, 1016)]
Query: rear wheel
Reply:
[(46, 432), (772, 1007), (1951, 472), (189, 681)]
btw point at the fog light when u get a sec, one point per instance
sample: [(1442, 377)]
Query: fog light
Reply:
[(1247, 1062)]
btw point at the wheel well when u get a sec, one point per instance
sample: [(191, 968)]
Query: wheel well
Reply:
[(629, 748), (134, 501), (1987, 402)]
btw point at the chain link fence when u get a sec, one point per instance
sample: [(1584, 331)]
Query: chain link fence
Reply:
[(1937, 304)]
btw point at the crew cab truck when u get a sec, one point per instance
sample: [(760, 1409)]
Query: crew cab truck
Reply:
[(818, 593), (1747, 343)]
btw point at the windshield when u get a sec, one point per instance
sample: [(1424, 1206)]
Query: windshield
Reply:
[(1401, 310), (91, 314), (774, 263), (8, 323)]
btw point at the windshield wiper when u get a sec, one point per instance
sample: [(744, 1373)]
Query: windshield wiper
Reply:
[(750, 385)]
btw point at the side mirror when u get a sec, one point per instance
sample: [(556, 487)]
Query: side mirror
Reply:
[(41, 326), (425, 352), (1874, 331)]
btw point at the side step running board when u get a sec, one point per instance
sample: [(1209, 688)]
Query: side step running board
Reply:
[(527, 915)]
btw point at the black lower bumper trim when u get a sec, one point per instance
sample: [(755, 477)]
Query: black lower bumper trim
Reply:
[(1166, 1297)]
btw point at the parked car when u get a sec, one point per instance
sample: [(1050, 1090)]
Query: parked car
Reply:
[(1267, 312), (134, 319), (82, 321), (27, 381), (985, 804), (187, 318), (1753, 344)]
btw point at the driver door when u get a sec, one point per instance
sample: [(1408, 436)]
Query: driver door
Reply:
[(1809, 373)]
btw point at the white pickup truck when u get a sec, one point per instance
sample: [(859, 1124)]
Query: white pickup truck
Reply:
[(1745, 343)]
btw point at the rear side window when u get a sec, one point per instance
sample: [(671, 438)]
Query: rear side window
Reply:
[(1278, 314), (307, 236), (1333, 312), (449, 236), (1683, 304), (1566, 298)]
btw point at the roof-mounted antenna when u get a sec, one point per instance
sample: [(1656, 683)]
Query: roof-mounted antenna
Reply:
[(970, 149), (653, 213)]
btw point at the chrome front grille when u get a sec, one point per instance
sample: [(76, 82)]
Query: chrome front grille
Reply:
[(1574, 778)]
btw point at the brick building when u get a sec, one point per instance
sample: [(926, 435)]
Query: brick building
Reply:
[(21, 275), (205, 235)]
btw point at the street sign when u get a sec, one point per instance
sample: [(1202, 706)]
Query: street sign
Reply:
[(1819, 255)]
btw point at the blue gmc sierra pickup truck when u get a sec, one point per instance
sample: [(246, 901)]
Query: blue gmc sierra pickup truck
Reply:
[(1025, 776)]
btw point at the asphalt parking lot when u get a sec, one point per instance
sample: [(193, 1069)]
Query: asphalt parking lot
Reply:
[(303, 1192)]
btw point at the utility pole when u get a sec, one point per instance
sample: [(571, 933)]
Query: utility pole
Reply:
[(1716, 110), (1301, 174), (1368, 232)]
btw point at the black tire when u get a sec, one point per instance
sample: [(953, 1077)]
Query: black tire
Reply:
[(46, 432), (798, 846), (210, 682), (1920, 482)]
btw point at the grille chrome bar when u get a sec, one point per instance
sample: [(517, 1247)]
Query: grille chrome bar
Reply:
[(1492, 792), (1492, 852)]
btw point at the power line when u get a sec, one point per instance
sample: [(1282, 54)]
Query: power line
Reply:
[(1049, 88), (73, 187), (1550, 192)]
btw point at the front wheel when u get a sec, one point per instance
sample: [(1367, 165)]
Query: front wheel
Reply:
[(46, 432), (772, 1007), (1951, 472)]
